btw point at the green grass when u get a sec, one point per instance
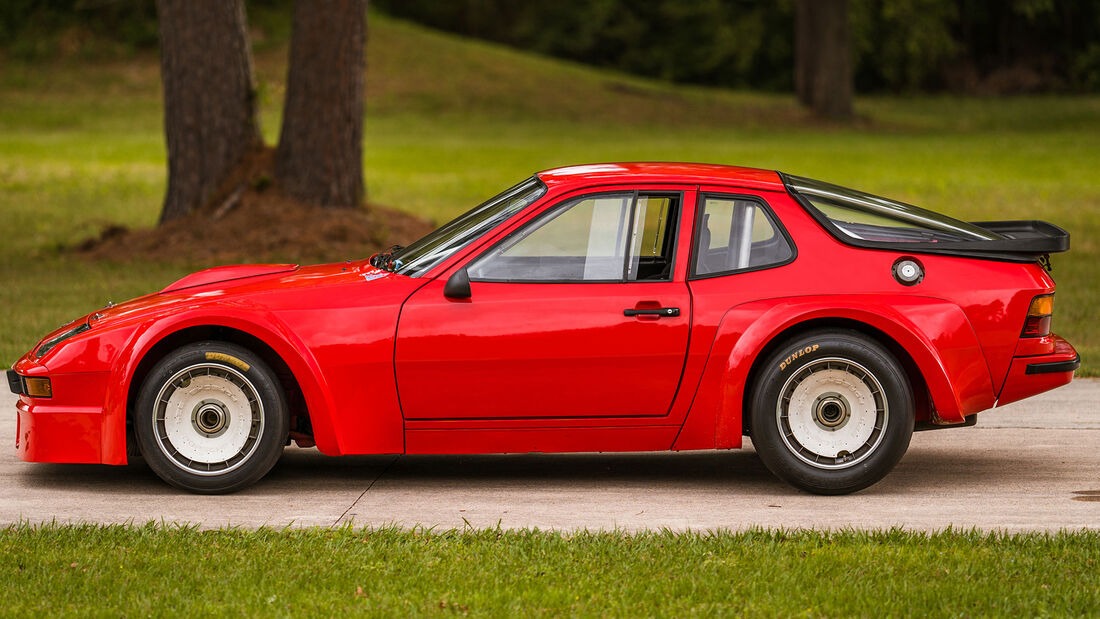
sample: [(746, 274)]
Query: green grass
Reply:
[(452, 121), (157, 570)]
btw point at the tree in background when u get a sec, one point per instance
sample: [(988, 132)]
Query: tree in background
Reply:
[(319, 157), (209, 98), (823, 57), (211, 125)]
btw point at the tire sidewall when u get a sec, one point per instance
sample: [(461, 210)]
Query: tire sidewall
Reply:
[(792, 357), (269, 390)]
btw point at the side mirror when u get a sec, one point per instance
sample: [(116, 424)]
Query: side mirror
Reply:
[(458, 285)]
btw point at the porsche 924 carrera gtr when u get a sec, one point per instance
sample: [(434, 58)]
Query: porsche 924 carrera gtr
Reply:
[(603, 308)]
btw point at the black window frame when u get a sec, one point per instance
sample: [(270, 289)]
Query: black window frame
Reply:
[(697, 235), (555, 209)]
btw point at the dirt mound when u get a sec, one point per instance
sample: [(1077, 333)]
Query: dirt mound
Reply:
[(260, 225)]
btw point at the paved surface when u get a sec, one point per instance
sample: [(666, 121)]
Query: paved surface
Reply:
[(1031, 465)]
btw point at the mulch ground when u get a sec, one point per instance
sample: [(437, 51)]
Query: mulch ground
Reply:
[(253, 221)]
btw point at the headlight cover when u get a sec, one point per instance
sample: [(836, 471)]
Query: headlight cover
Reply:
[(49, 344)]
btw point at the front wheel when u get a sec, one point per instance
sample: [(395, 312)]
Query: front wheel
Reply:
[(211, 418), (832, 412)]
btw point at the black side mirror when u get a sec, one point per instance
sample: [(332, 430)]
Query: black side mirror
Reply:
[(458, 285)]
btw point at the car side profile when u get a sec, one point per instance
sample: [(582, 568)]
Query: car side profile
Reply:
[(603, 308)]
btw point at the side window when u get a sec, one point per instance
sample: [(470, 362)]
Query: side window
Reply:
[(737, 234), (651, 242), (606, 237)]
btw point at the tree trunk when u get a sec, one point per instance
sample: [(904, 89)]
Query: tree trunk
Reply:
[(319, 157), (823, 63), (209, 102), (805, 45)]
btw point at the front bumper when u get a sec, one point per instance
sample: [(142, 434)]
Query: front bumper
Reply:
[(45, 434), (67, 427), (1033, 374)]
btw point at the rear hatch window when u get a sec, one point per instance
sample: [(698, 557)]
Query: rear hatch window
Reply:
[(865, 217)]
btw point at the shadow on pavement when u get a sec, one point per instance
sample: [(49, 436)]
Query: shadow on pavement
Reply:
[(740, 471)]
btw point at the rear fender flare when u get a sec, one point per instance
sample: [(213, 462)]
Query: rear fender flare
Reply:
[(935, 333)]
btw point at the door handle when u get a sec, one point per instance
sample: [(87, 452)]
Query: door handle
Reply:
[(659, 312)]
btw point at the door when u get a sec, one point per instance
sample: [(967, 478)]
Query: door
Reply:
[(579, 313)]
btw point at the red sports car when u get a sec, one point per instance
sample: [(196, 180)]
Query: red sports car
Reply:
[(609, 307)]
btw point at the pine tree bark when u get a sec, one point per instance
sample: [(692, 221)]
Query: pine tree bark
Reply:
[(319, 157), (209, 99), (823, 57), (805, 44)]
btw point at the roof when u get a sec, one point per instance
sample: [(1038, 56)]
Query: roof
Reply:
[(664, 172)]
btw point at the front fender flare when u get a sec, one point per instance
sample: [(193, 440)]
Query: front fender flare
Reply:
[(255, 321)]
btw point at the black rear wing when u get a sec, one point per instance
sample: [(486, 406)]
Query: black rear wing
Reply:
[(1025, 241), (1028, 237)]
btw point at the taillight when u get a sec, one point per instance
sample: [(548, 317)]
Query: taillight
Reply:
[(1038, 316)]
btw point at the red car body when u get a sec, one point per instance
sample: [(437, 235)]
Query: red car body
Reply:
[(380, 362)]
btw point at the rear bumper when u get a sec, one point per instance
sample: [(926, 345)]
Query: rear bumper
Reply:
[(1034, 374)]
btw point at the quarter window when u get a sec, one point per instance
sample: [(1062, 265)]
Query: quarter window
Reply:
[(737, 234), (606, 237)]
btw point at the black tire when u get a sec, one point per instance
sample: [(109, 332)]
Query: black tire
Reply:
[(832, 411), (203, 402)]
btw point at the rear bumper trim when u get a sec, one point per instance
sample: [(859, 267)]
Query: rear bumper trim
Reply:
[(1054, 367)]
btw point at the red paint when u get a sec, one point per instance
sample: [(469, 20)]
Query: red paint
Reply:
[(1020, 384), (66, 427), (387, 364), (226, 273), (488, 357)]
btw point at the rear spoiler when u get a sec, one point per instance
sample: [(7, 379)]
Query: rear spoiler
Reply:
[(1028, 237), (1025, 241)]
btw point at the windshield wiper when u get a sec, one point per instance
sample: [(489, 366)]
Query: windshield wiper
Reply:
[(383, 260)]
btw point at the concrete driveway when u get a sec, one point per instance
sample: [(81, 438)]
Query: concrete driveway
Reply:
[(1034, 465)]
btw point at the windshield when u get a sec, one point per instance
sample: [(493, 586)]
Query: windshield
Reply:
[(867, 217), (421, 256)]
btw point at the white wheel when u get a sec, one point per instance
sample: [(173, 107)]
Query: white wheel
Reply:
[(211, 417), (208, 419), (831, 413)]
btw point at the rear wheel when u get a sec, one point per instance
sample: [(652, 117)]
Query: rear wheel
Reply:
[(832, 412), (211, 418)]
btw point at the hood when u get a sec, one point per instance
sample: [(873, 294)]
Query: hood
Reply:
[(241, 281), (226, 273)]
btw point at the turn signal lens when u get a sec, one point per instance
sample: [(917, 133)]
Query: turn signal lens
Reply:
[(1038, 316), (1042, 306), (38, 387)]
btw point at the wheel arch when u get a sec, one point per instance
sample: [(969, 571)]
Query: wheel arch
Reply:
[(220, 333), (931, 337), (298, 372), (778, 340)]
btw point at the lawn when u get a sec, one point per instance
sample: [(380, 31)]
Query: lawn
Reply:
[(160, 570), (451, 121)]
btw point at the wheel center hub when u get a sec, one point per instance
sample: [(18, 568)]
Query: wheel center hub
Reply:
[(210, 418), (831, 411)]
